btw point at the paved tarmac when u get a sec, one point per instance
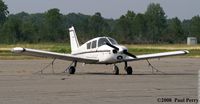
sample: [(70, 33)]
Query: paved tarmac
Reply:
[(22, 83)]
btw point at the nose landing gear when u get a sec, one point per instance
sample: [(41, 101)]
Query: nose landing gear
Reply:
[(127, 68)]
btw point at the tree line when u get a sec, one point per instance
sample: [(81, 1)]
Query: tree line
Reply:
[(153, 26)]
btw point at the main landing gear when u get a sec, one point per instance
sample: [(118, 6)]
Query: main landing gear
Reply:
[(127, 68), (115, 70), (72, 68)]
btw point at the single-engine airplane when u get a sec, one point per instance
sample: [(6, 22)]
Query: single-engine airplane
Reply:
[(100, 50)]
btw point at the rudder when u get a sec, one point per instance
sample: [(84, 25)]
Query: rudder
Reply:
[(73, 39)]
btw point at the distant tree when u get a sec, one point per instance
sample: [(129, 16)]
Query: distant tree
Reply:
[(29, 34), (186, 27), (174, 32), (125, 27), (23, 15), (122, 30), (22, 27), (97, 25), (80, 22), (156, 22), (140, 29), (12, 30), (130, 15), (195, 27), (54, 25), (38, 24), (51, 26), (3, 12), (53, 17)]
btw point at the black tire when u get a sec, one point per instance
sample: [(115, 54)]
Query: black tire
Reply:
[(72, 70), (129, 70), (116, 70)]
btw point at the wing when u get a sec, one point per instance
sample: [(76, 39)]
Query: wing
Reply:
[(157, 55), (47, 54)]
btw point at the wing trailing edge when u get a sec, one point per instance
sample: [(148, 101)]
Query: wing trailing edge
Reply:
[(55, 55), (157, 55)]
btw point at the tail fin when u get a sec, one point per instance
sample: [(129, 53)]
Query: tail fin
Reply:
[(73, 39)]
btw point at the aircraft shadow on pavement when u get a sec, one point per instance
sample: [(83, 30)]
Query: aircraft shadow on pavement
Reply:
[(139, 74), (134, 74), (167, 74)]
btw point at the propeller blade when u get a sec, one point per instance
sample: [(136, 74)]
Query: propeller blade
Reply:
[(116, 48), (129, 54)]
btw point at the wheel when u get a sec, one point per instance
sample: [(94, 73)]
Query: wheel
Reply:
[(116, 70), (72, 70), (129, 70)]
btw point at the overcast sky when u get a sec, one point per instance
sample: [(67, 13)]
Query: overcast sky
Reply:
[(183, 9)]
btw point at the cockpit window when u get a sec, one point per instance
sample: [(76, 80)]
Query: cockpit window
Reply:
[(102, 41), (88, 45), (113, 41), (94, 44)]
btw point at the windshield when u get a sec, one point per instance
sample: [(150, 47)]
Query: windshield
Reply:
[(113, 41), (102, 41)]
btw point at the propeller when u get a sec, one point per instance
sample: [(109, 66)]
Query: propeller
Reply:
[(129, 54), (116, 49)]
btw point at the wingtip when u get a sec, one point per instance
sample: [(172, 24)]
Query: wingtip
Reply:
[(17, 50), (186, 51)]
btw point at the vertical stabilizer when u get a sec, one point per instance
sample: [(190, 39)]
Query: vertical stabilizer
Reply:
[(73, 39)]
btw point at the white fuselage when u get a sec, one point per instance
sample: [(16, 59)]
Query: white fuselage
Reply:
[(103, 53)]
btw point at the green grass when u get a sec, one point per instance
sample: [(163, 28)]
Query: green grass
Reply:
[(65, 48)]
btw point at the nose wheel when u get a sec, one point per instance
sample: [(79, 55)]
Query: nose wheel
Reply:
[(128, 69)]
